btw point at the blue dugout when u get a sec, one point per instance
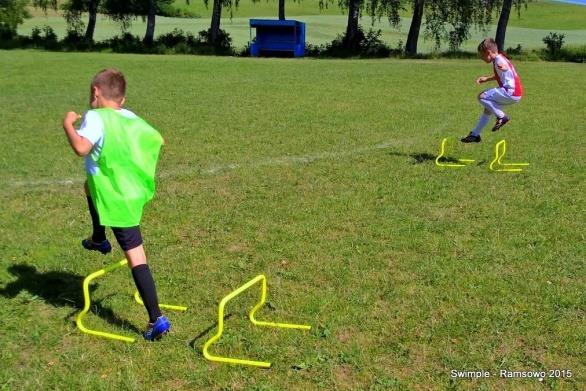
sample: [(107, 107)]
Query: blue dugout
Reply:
[(277, 36)]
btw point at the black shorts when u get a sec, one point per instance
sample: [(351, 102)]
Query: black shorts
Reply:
[(128, 238)]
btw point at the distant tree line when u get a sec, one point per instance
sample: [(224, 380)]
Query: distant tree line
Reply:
[(439, 20)]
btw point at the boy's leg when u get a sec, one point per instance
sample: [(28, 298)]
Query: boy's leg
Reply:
[(98, 240), (487, 99), (130, 240), (482, 122), (493, 100), (474, 135)]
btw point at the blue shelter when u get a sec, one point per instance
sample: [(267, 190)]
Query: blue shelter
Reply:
[(274, 36)]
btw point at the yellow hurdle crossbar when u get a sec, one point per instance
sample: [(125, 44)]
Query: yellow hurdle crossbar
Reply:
[(500, 150), (87, 302), (442, 154), (225, 300), (181, 308)]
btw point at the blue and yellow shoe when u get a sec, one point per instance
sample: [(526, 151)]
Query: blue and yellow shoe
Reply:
[(158, 329), (104, 247)]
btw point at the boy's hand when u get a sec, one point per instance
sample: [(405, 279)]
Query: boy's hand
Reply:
[(482, 79), (70, 118)]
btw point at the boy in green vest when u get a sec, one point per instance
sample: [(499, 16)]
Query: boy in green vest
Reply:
[(121, 152)]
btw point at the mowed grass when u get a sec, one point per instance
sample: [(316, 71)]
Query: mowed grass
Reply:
[(320, 175), (528, 30)]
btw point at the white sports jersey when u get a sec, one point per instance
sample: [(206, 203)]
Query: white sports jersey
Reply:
[(92, 128), (508, 79)]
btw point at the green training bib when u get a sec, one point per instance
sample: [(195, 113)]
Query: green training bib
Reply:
[(125, 181)]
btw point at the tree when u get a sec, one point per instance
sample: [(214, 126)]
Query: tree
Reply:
[(374, 8), (150, 8), (74, 10), (450, 20), (214, 31), (281, 9), (12, 13), (92, 9), (501, 29), (352, 24), (502, 25), (45, 4), (151, 18), (125, 11), (413, 37)]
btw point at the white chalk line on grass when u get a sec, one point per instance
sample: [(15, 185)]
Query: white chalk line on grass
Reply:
[(302, 159), (46, 182), (275, 161)]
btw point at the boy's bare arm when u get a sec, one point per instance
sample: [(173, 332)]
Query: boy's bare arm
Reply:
[(80, 145), (484, 79)]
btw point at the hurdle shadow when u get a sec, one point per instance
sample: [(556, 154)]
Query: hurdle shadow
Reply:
[(421, 157), (206, 331), (60, 289), (424, 157)]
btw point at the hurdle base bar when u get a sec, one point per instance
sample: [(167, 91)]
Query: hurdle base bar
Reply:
[(502, 146), (262, 364), (442, 154), (87, 302)]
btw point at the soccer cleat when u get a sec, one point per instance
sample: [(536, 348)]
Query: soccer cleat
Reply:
[(104, 247), (500, 123), (158, 329), (470, 139)]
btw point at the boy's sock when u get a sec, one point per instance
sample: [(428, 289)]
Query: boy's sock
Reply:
[(146, 288), (482, 122), (99, 234)]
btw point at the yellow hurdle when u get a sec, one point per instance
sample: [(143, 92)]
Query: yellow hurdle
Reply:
[(500, 166), (262, 364), (181, 308), (442, 153), (87, 302)]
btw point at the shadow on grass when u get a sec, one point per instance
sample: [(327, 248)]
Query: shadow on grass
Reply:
[(420, 157), (423, 157), (206, 331), (60, 289)]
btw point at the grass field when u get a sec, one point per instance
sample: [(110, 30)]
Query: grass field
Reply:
[(319, 174), (535, 23)]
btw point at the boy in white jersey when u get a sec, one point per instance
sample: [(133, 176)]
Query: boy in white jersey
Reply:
[(121, 152), (508, 92)]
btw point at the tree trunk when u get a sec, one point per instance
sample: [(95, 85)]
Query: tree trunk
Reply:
[(352, 27), (91, 24), (150, 30), (215, 26), (413, 37), (281, 9), (502, 26)]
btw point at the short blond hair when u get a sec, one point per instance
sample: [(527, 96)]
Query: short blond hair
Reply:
[(111, 83)]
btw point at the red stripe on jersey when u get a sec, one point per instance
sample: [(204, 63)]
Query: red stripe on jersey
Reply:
[(518, 86)]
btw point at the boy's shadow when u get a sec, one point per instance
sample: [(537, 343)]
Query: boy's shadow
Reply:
[(419, 157), (60, 289), (422, 157)]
